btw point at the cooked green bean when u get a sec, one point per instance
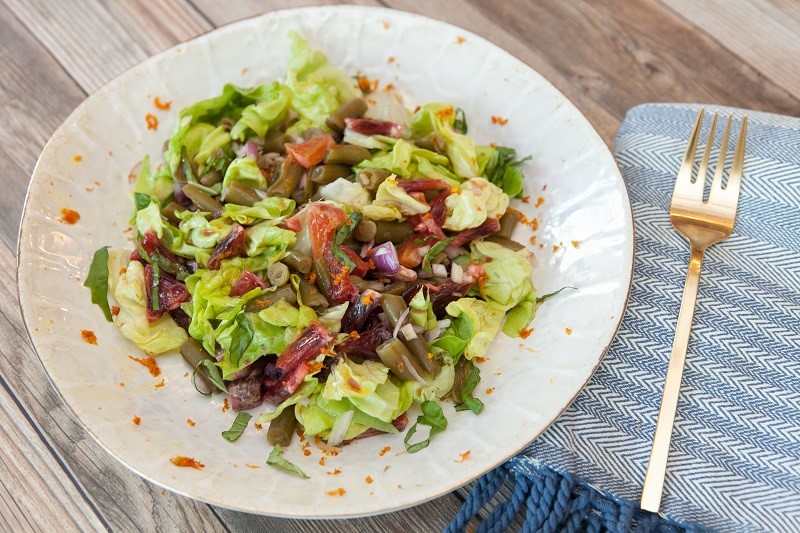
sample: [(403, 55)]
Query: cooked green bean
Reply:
[(241, 195), (297, 261), (278, 274), (287, 181), (461, 373), (371, 178), (362, 284), (396, 232), (211, 178), (508, 222), (397, 287), (170, 210), (311, 296), (281, 429), (432, 141), (325, 174), (393, 307), (508, 243), (365, 230), (275, 141), (301, 196), (193, 353), (323, 279), (351, 109), (397, 358), (268, 298), (347, 154), (203, 201)]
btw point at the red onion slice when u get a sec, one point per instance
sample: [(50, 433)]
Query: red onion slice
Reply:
[(385, 258)]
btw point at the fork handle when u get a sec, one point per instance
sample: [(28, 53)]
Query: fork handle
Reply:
[(657, 466)]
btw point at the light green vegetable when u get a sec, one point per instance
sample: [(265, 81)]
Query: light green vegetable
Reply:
[(477, 200), (438, 387), (519, 316), (158, 186), (284, 314), (216, 140), (196, 232), (346, 192), (393, 203), (460, 149), (421, 311), (129, 289), (149, 218), (261, 116), (432, 416), (277, 460), (244, 170), (269, 241), (500, 166), (331, 318), (485, 319), (97, 280), (271, 208), (404, 159), (508, 273), (238, 427)]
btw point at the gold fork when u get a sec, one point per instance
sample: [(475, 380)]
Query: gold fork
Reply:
[(702, 224)]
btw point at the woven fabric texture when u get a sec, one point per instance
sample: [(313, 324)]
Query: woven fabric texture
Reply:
[(734, 463)]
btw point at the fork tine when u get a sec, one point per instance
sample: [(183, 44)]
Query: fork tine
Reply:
[(703, 170), (716, 184), (735, 176), (685, 172)]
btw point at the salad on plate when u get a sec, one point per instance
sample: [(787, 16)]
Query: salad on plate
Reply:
[(323, 256)]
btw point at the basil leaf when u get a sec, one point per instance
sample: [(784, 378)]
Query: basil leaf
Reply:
[(467, 401), (97, 280), (342, 233), (542, 299), (502, 170), (154, 305), (241, 339), (157, 258), (212, 373), (276, 459), (433, 252), (238, 427), (456, 336), (460, 122), (141, 200), (432, 416)]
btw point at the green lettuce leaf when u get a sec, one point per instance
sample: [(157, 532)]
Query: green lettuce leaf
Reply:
[(456, 336), (259, 117), (268, 240), (500, 166), (460, 148), (404, 159), (475, 202), (438, 387), (129, 289), (243, 170), (347, 192), (519, 316), (271, 208), (157, 187), (392, 202), (508, 273), (421, 311), (484, 319), (331, 318)]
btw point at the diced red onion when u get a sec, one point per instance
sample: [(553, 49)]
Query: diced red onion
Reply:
[(180, 197), (439, 270), (385, 258), (400, 322), (339, 429), (456, 273), (251, 149), (433, 334), (424, 250), (408, 332), (454, 251)]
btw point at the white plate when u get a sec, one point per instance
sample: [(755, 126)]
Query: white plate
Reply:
[(525, 384)]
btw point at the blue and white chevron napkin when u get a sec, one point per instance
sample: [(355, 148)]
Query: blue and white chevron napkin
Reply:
[(734, 464)]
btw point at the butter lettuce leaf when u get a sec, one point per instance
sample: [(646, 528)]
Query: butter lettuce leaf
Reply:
[(508, 273), (271, 208), (460, 148), (485, 321)]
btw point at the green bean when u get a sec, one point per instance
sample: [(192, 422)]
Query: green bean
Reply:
[(311, 296), (241, 195), (371, 178), (393, 307), (301, 196), (210, 178), (432, 141), (287, 181), (169, 211), (508, 243), (323, 279), (266, 299), (347, 154), (362, 284), (203, 201), (397, 287), (278, 274), (275, 141), (365, 230), (297, 261), (325, 174), (396, 232), (351, 109), (508, 222), (226, 123), (397, 358), (281, 429), (194, 353)]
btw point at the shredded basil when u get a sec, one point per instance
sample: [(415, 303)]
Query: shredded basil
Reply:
[(154, 305), (502, 170), (276, 459), (97, 280), (433, 252), (342, 233), (460, 122), (542, 299), (141, 200), (238, 427), (456, 336), (212, 373), (241, 339), (432, 416), (467, 401)]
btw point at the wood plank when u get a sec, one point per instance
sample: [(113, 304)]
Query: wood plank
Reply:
[(127, 501), (763, 33), (31, 479), (643, 53)]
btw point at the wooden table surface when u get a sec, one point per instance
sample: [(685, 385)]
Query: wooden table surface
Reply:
[(604, 57)]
